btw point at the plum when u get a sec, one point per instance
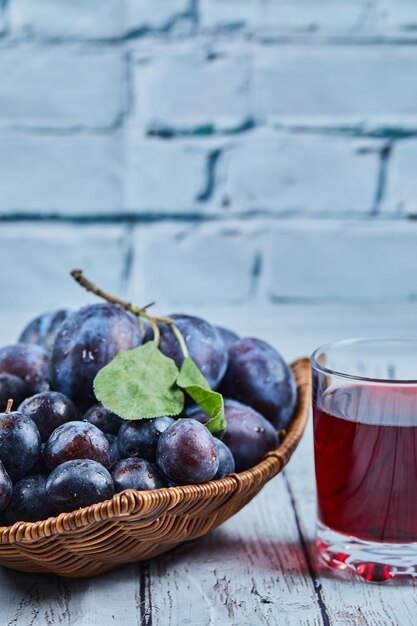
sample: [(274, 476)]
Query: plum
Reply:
[(49, 410), (6, 488), (28, 503), (226, 461), (20, 444), (87, 341), (136, 474), (77, 440), (187, 453), (12, 388), (258, 376), (204, 343), (104, 419), (78, 483), (249, 436), (196, 412), (115, 455), (43, 329), (228, 336), (28, 362), (140, 438), (41, 466)]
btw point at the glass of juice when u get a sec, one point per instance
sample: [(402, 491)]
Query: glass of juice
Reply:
[(365, 450)]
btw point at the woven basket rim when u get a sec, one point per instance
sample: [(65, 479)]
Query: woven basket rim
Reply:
[(129, 502)]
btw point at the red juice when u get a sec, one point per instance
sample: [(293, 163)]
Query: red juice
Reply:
[(365, 446)]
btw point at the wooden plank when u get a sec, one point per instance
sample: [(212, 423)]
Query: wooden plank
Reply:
[(349, 600), (252, 571), (44, 600)]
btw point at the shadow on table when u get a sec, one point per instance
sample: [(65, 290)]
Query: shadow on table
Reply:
[(219, 550)]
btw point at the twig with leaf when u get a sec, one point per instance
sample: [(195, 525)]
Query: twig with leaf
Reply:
[(143, 383)]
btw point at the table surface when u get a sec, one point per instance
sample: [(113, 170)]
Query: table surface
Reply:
[(260, 567)]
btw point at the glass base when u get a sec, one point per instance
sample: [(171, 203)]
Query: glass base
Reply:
[(375, 562)]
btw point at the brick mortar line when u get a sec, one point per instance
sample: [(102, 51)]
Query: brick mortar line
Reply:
[(203, 218)]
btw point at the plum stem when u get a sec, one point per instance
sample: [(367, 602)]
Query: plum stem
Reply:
[(9, 405), (153, 320)]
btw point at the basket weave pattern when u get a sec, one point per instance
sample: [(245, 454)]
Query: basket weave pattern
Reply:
[(136, 525)]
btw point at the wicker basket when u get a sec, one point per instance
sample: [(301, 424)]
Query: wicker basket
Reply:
[(136, 525)]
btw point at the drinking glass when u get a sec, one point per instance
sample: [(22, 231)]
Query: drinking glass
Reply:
[(365, 450)]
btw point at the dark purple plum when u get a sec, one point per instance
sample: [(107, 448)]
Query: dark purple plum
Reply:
[(226, 461), (77, 440), (87, 341), (43, 330), (6, 487), (20, 444), (78, 483), (104, 419), (112, 439), (28, 362), (49, 410), (187, 453), (258, 376), (228, 336), (140, 439), (12, 388), (136, 474), (204, 343), (28, 503), (196, 412), (249, 436), (41, 466)]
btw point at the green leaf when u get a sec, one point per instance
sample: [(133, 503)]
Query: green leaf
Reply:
[(193, 382), (140, 384)]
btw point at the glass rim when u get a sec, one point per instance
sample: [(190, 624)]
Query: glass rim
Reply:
[(357, 340)]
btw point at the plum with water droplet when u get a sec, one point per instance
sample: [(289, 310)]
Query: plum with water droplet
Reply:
[(104, 419), (140, 438), (187, 453), (77, 484), (87, 341), (136, 474), (249, 436), (28, 502), (49, 410), (77, 440), (20, 444)]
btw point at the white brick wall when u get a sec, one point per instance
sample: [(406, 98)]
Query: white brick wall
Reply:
[(209, 152), (64, 175), (342, 262), (39, 259), (190, 88), (351, 19), (91, 19), (180, 266), (285, 16), (164, 177), (401, 197), (280, 172), (368, 87), (61, 87)]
